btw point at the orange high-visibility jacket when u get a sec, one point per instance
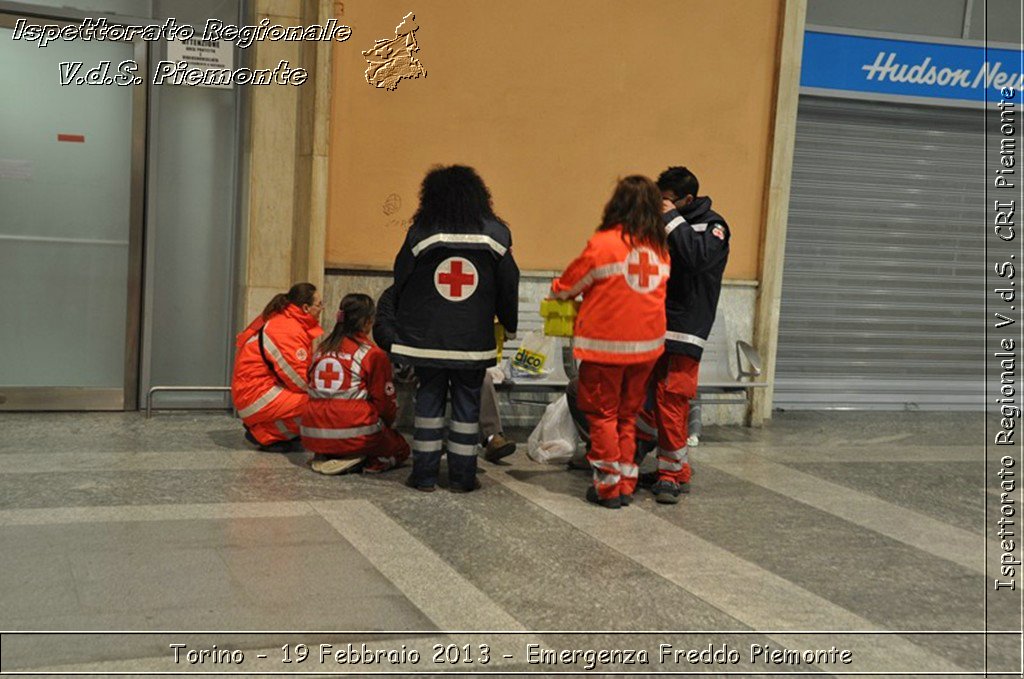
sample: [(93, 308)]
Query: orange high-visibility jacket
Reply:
[(260, 377), (351, 398), (622, 318)]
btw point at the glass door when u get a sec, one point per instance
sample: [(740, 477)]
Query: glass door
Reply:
[(71, 163)]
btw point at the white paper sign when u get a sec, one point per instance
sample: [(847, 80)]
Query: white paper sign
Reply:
[(204, 54)]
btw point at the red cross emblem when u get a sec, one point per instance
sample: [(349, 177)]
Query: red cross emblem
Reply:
[(643, 270), (328, 373), (456, 279)]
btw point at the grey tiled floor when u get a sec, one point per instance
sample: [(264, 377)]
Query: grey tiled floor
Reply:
[(818, 522)]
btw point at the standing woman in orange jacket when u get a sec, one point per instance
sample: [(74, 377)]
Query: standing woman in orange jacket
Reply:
[(269, 382), (620, 329)]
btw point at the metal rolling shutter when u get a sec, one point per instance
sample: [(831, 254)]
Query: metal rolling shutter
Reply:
[(883, 282)]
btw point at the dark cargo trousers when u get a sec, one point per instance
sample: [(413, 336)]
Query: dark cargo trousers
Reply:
[(463, 430)]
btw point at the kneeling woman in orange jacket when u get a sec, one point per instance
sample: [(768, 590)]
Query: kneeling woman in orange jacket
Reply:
[(620, 329), (352, 404), (269, 382)]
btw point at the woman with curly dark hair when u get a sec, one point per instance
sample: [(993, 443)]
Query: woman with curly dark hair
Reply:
[(453, 275)]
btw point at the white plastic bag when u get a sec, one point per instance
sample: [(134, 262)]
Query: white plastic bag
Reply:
[(554, 439), (535, 356)]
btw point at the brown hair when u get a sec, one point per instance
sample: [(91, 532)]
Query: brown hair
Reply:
[(299, 294), (355, 309), (636, 205)]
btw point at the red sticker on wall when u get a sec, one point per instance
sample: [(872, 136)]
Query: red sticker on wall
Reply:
[(80, 138)]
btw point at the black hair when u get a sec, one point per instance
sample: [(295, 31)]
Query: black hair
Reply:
[(298, 294), (454, 199), (354, 311), (680, 181), (636, 206)]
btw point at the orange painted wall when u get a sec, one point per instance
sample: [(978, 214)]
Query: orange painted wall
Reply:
[(551, 101)]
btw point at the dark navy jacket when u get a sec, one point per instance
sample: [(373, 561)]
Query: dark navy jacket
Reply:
[(448, 289), (698, 243)]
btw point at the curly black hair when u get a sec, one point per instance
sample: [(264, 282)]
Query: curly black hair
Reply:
[(453, 199)]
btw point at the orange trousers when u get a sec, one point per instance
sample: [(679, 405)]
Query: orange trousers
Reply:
[(675, 378), (611, 396), (279, 420)]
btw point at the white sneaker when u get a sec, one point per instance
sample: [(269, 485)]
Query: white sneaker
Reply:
[(692, 440), (337, 465)]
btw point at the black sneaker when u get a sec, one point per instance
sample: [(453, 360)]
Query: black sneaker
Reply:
[(666, 492), (250, 438), (460, 488), (626, 499), (647, 479), (411, 482), (610, 503), (289, 446), (684, 487)]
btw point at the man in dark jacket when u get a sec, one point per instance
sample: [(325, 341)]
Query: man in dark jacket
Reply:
[(698, 241), (496, 446)]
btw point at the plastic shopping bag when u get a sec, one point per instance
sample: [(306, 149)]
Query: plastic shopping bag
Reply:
[(554, 439), (535, 357)]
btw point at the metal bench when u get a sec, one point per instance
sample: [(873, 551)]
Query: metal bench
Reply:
[(718, 378), (721, 381)]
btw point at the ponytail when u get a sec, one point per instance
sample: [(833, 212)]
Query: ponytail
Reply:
[(355, 309), (298, 294)]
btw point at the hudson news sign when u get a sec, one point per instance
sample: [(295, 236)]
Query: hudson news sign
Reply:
[(869, 67)]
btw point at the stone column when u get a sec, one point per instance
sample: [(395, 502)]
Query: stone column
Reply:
[(287, 153)]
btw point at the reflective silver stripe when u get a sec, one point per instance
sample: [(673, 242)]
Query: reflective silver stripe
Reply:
[(428, 422), (251, 339), (630, 471), (458, 238), (284, 365), (464, 449), (684, 337), (645, 428), (347, 395), (606, 479), (464, 427), (282, 427), (595, 274), (357, 365), (260, 403), (427, 446), (674, 224), (683, 454), (667, 466), (605, 464), (699, 227), (451, 354), (347, 433), (615, 347), (352, 394)]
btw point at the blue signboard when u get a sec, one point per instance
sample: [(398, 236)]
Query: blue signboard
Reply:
[(907, 68)]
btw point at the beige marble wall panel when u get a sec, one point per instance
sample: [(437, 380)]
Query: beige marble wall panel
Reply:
[(272, 174), (256, 299), (290, 10)]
